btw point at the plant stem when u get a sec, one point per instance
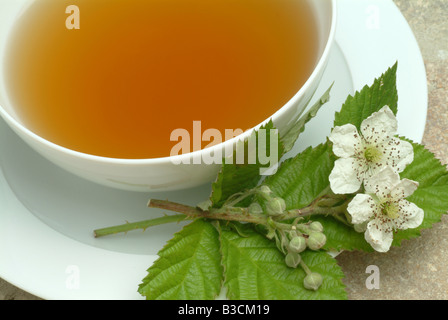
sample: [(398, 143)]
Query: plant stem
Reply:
[(311, 210), (139, 225), (305, 267), (231, 202), (228, 214), (175, 207)]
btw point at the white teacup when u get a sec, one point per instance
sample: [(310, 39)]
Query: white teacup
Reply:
[(160, 174)]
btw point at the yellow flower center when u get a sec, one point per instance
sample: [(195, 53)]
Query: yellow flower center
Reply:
[(390, 210), (372, 154)]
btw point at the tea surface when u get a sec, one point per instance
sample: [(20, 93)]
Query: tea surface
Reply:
[(138, 69)]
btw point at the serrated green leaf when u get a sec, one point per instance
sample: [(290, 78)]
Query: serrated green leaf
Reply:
[(189, 266), (425, 169), (369, 100), (301, 179), (432, 193), (255, 270)]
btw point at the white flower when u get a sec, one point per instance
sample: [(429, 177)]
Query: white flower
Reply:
[(383, 210), (364, 154)]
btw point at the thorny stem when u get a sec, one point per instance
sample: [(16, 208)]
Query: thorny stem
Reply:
[(317, 207), (229, 214), (139, 225), (308, 211)]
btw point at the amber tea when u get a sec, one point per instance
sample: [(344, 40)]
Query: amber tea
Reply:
[(135, 70)]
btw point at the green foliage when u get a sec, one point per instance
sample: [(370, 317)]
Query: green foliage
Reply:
[(302, 179), (371, 99), (255, 270), (341, 236), (188, 268), (432, 193)]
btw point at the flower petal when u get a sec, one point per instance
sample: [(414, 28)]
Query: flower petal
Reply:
[(344, 178), (345, 140), (411, 216), (382, 183), (380, 126), (398, 154), (378, 237), (404, 189), (361, 208)]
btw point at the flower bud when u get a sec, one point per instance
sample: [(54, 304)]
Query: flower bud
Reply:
[(292, 233), (255, 208), (313, 281), (316, 240), (292, 259), (297, 244), (265, 190), (316, 226), (276, 206)]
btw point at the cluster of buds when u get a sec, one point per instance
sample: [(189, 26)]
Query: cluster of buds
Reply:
[(302, 237), (291, 239), (274, 205)]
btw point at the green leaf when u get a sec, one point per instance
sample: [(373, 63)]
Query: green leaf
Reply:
[(432, 193), (425, 169), (341, 236), (369, 100), (255, 270), (189, 267), (301, 179)]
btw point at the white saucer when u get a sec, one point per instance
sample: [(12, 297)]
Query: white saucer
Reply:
[(47, 215)]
